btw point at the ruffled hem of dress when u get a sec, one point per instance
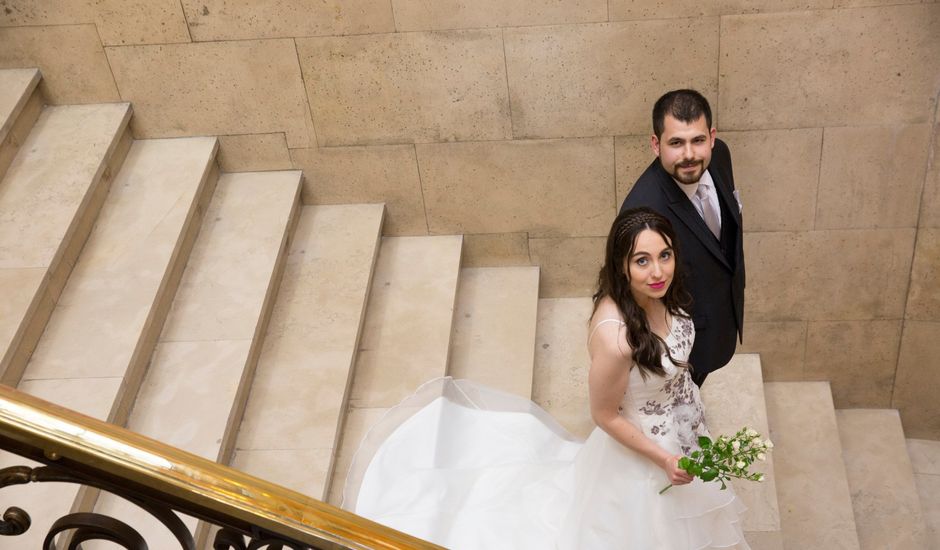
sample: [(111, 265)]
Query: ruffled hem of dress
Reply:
[(718, 527)]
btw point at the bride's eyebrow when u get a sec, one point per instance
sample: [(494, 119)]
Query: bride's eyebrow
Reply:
[(645, 253)]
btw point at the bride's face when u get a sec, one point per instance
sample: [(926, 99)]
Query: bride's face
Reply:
[(651, 266)]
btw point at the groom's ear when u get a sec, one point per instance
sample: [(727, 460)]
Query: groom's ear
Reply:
[(714, 133), (654, 144)]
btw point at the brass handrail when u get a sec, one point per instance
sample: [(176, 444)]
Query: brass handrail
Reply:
[(48, 433)]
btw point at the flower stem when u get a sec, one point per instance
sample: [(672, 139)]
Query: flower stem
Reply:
[(666, 488)]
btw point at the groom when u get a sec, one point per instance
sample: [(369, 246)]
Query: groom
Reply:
[(691, 184)]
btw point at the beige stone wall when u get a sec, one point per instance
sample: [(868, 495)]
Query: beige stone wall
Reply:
[(523, 124)]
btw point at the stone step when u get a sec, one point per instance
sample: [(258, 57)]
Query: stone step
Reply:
[(406, 339), (881, 480), (494, 327), (49, 200), (101, 331), (925, 461), (734, 398), (561, 362), (195, 388), (20, 105), (107, 319), (290, 431), (812, 487)]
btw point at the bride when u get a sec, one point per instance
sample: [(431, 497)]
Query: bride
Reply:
[(469, 467)]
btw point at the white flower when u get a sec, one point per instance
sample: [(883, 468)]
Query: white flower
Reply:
[(760, 477), (741, 465), (735, 444), (769, 444), (761, 456), (756, 442), (751, 432)]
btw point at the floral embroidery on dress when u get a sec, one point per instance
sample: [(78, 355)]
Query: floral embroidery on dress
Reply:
[(659, 429), (684, 337), (687, 410), (671, 405), (653, 407)]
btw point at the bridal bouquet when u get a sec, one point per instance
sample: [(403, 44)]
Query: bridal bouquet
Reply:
[(726, 457)]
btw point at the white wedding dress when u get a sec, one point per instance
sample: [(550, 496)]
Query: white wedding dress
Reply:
[(468, 467)]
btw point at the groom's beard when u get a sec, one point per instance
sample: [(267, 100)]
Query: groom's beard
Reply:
[(682, 173)]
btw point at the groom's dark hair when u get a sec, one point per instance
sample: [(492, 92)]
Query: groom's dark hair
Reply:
[(683, 105)]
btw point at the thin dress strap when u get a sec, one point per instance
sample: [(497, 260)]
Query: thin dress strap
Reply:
[(601, 323)]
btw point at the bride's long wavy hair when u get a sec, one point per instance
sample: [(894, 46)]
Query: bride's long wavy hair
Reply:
[(613, 281)]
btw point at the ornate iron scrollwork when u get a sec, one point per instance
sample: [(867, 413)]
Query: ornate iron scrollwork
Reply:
[(15, 522), (226, 539), (87, 526), (91, 526), (272, 544)]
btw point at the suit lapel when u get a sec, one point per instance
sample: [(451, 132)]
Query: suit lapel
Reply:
[(682, 207), (725, 194)]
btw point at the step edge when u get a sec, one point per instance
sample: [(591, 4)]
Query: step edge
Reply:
[(25, 96), (826, 389), (19, 130), (237, 411), (531, 310), (892, 422), (159, 308), (15, 359), (201, 530), (753, 361), (353, 361)]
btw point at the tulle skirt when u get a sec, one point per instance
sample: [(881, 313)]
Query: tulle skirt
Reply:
[(468, 467)]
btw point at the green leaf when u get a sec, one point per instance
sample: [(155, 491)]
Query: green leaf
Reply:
[(684, 463), (696, 454), (709, 475), (704, 442)]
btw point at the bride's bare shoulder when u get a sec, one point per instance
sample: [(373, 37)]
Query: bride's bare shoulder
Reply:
[(605, 312), (607, 331)]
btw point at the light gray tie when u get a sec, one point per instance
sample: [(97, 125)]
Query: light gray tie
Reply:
[(711, 217)]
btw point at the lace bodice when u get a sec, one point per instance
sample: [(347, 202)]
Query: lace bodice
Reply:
[(668, 408)]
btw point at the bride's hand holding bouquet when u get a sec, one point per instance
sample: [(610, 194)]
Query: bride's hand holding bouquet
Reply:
[(725, 458)]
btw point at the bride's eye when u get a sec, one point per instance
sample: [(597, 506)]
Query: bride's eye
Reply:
[(642, 262), (666, 254)]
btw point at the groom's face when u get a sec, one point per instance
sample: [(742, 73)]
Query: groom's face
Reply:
[(685, 148)]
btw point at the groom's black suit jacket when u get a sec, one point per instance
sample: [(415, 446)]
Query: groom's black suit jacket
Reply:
[(714, 270)]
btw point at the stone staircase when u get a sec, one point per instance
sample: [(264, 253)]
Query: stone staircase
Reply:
[(215, 312)]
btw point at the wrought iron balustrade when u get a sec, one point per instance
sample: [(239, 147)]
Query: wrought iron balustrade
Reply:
[(252, 514)]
